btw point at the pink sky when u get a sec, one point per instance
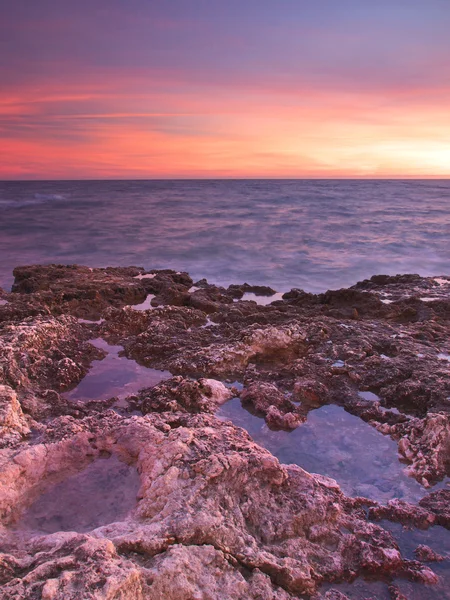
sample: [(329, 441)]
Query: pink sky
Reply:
[(134, 91)]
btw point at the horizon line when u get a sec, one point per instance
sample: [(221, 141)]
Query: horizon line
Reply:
[(82, 179)]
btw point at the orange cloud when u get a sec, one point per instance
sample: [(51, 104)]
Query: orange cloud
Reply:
[(162, 130)]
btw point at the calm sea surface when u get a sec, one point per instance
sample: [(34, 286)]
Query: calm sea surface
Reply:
[(311, 234)]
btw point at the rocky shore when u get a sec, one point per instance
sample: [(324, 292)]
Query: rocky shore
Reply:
[(149, 494)]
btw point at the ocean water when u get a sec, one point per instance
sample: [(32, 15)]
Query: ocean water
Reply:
[(310, 234)]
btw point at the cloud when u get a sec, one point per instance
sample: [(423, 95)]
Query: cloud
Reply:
[(207, 88)]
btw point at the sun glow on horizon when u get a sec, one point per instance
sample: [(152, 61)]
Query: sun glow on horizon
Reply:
[(296, 93)]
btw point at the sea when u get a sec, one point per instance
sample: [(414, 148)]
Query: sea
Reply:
[(309, 234)]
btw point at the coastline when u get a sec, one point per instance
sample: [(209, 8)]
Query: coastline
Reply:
[(216, 514)]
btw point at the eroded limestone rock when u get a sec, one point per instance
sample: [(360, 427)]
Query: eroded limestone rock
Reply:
[(204, 484), (183, 395), (216, 516), (13, 425)]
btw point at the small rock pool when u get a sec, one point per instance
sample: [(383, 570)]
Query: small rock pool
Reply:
[(337, 444), (104, 492), (437, 538), (114, 375)]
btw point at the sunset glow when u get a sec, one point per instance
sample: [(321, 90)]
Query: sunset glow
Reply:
[(135, 90)]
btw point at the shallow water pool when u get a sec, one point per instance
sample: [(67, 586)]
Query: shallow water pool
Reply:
[(102, 493), (114, 375), (339, 445)]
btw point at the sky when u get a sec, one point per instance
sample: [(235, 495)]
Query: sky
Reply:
[(224, 88)]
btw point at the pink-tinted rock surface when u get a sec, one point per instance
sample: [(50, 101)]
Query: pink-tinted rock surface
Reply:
[(191, 507)]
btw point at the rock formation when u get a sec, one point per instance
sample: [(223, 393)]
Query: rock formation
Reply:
[(213, 515)]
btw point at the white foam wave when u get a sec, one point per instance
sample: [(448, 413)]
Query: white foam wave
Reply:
[(36, 199), (49, 197)]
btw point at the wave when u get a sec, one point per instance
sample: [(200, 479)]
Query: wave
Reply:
[(49, 197), (36, 199)]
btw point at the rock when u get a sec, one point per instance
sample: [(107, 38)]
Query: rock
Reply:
[(48, 350), (42, 356), (427, 447), (204, 483), (426, 554), (352, 303), (13, 425), (84, 291), (395, 593), (310, 392), (238, 291), (278, 411), (438, 503), (185, 573), (216, 516), (404, 513), (209, 299), (184, 395), (335, 595)]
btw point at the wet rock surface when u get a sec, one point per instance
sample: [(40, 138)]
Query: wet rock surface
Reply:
[(189, 505)]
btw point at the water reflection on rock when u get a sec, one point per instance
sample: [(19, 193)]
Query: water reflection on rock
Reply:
[(438, 540), (102, 493), (146, 305), (115, 375), (339, 445), (262, 300)]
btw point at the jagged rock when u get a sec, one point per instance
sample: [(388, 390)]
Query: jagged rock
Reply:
[(278, 411), (427, 447), (403, 512), (13, 425), (395, 593), (259, 290), (42, 356), (209, 299), (438, 503), (216, 516), (203, 483), (84, 291), (44, 351), (335, 595), (426, 554), (183, 395)]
